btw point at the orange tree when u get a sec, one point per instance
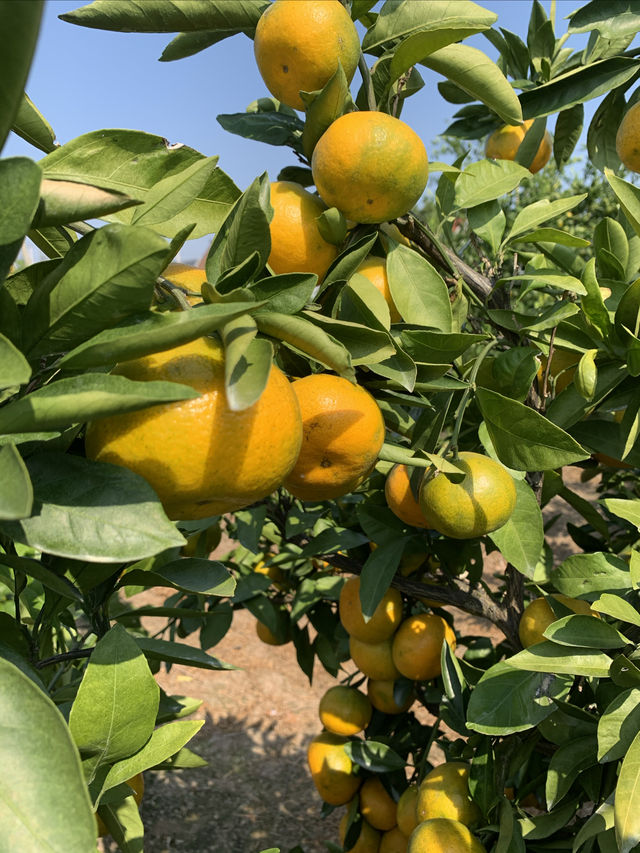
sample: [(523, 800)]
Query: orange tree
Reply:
[(457, 357)]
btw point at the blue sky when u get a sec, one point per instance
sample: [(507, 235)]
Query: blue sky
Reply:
[(84, 79)]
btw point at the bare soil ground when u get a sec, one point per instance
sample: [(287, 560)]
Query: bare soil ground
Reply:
[(256, 792)]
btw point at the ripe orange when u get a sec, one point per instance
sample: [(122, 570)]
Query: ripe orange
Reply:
[(374, 660), (440, 835), (343, 432), (503, 144), (400, 499), (371, 166), (375, 269), (332, 769), (267, 636), (377, 806), (417, 645), (393, 841), (538, 615), (296, 242), (344, 710), (407, 814), (481, 503), (368, 839), (299, 45), (381, 696), (201, 457), (444, 792), (188, 279), (628, 138), (386, 617), (274, 573)]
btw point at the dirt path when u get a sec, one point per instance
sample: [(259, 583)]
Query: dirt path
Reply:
[(256, 791)]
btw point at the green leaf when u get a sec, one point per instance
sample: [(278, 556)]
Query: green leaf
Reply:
[(194, 574), (54, 242), (547, 825), (561, 660), (247, 363), (86, 397), (285, 294), (16, 491), (144, 334), (566, 764), (163, 743), (592, 302), (188, 44), (92, 511), (488, 221), (245, 231), (122, 819), (627, 509), (377, 573), (601, 821), (22, 22), (374, 756), (577, 86), (617, 18), (524, 439), (168, 16), (133, 162), (540, 211), (418, 291), (47, 577), (105, 276), (627, 802), (567, 133), (165, 650), (520, 540), (475, 73), (35, 747), (618, 607), (486, 181), (507, 700), (583, 574), (14, 368), (324, 107), (173, 194), (619, 725), (601, 137), (20, 180), (114, 712), (33, 127), (271, 126), (585, 631), (308, 338), (437, 347), (62, 202)]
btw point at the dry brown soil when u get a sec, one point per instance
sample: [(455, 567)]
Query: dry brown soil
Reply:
[(256, 792)]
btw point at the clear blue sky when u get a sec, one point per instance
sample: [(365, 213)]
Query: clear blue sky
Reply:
[(84, 79)]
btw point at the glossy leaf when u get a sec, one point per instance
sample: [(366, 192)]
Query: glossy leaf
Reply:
[(133, 162), (627, 800), (16, 491), (566, 764), (541, 211), (524, 439), (144, 334), (92, 511), (418, 291), (114, 712), (20, 180), (377, 573), (585, 631), (271, 126), (486, 181), (583, 574), (520, 540), (168, 16), (617, 18), (165, 650), (618, 607), (308, 338), (507, 700), (247, 363), (36, 747), (488, 221), (33, 127), (85, 397), (619, 725), (324, 107), (14, 368), (561, 660), (374, 756), (627, 509), (174, 193), (22, 22)]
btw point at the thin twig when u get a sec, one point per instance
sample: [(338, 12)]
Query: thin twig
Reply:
[(73, 655)]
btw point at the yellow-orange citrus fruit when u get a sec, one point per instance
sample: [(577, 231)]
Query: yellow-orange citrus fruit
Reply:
[(407, 814), (503, 144), (332, 769), (384, 621), (296, 242), (188, 279), (393, 841), (371, 166), (377, 806), (538, 615), (137, 784), (343, 432), (441, 835), (381, 696), (273, 572), (368, 840), (199, 456), (375, 269), (344, 710), (267, 636), (482, 502), (298, 45), (400, 499), (417, 645), (563, 368), (444, 792), (375, 660), (628, 138)]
